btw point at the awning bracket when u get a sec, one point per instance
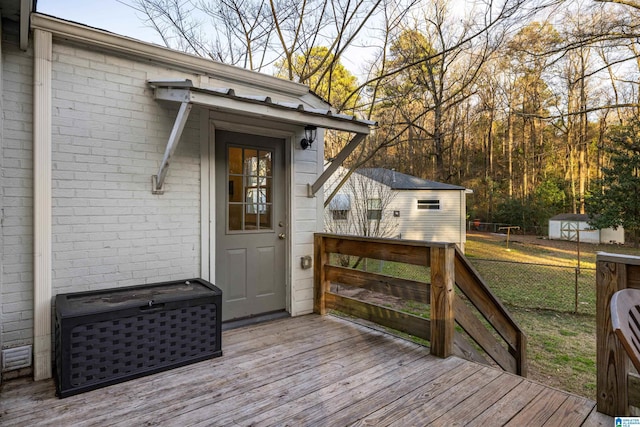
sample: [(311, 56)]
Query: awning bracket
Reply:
[(312, 189), (157, 181)]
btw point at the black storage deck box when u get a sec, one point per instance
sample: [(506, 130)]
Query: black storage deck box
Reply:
[(109, 336)]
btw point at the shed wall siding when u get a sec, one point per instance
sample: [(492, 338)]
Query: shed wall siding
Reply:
[(432, 225), (17, 196), (609, 235)]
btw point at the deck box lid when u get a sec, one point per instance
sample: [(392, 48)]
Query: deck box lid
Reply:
[(79, 303)]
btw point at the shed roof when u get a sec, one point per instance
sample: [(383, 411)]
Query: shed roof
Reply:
[(400, 181), (570, 217)]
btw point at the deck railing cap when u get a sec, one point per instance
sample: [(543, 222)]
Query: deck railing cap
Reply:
[(419, 243), (620, 258)]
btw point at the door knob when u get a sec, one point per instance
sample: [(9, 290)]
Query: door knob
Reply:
[(281, 236)]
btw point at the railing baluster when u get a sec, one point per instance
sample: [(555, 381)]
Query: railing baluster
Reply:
[(442, 294), (321, 284)]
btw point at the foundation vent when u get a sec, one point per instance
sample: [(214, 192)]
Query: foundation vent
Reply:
[(16, 358)]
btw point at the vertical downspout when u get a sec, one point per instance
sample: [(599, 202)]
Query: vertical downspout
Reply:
[(42, 42)]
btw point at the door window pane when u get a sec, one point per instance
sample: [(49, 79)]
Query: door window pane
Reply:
[(235, 189), (265, 163), (235, 160), (250, 162), (235, 216), (250, 189), (265, 216)]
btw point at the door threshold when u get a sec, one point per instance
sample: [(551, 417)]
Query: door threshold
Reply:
[(252, 320)]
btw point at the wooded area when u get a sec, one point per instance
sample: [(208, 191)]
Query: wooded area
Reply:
[(513, 99)]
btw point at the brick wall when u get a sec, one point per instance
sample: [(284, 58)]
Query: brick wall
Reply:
[(109, 136), (17, 197)]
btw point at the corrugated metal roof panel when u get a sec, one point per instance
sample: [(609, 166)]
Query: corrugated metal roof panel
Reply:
[(259, 99)]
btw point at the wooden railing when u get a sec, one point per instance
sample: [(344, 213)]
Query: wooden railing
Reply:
[(618, 386), (476, 310)]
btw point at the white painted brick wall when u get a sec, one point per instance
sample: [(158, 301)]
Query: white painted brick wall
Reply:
[(16, 312), (109, 136)]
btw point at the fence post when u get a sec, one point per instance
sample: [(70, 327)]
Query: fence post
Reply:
[(320, 283), (442, 294), (575, 302), (611, 359)]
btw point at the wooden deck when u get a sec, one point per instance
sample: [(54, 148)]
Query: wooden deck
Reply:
[(308, 371)]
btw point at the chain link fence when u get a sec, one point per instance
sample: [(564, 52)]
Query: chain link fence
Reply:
[(540, 286), (499, 227), (523, 285)]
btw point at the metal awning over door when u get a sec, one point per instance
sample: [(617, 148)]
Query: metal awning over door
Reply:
[(226, 100)]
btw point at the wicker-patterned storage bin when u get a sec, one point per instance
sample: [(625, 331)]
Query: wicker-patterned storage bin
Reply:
[(110, 336)]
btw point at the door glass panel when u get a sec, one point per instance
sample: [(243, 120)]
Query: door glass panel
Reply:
[(235, 161), (250, 162), (265, 216), (250, 189), (235, 189), (235, 216), (266, 191), (265, 163)]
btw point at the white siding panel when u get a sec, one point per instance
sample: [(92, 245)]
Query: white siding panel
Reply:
[(609, 235), (425, 224), (307, 220)]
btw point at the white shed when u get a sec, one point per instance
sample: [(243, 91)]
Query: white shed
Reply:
[(568, 226), (409, 207)]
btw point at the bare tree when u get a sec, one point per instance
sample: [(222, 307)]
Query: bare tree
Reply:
[(363, 208), (256, 33)]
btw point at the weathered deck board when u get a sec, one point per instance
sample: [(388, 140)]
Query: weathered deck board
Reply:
[(308, 371)]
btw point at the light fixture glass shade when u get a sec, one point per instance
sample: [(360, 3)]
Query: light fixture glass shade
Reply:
[(310, 133)]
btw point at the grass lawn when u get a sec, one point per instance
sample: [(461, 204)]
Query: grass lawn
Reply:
[(561, 347)]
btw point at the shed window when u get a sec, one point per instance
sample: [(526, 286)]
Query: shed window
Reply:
[(431, 204), (374, 209), (340, 215), (340, 206)]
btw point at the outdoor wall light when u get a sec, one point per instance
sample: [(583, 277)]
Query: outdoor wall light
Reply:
[(310, 133)]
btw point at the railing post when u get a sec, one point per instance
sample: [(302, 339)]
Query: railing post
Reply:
[(611, 359), (442, 293), (320, 283)]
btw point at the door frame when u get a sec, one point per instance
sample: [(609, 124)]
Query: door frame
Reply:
[(211, 121)]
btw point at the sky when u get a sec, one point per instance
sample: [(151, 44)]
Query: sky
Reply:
[(112, 15), (109, 15)]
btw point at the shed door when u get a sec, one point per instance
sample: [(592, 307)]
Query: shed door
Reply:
[(250, 225)]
